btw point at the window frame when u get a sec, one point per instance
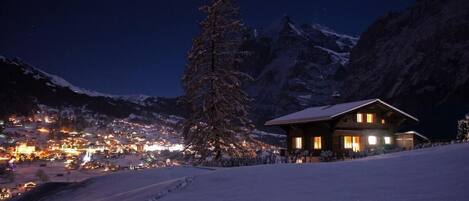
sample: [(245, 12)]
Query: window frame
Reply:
[(354, 143), (386, 142), (317, 143), (295, 144), (372, 118), (372, 140), (359, 118)]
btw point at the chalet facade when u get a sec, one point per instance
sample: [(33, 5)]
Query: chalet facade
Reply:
[(354, 126)]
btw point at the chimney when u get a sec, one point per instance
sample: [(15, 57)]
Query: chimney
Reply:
[(335, 97)]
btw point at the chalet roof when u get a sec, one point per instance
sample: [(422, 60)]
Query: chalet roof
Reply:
[(414, 133), (328, 112)]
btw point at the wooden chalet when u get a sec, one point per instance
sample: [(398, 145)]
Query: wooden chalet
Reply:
[(353, 126)]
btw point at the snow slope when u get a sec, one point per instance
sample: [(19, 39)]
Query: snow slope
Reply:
[(54, 80), (128, 186), (438, 173)]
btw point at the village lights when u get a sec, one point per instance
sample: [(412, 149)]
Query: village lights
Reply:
[(47, 120), (25, 149), (43, 130)]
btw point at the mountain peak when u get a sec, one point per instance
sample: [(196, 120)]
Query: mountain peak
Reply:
[(282, 26), (286, 18)]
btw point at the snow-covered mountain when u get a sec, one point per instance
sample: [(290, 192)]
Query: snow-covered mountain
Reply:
[(432, 174), (24, 87), (294, 66), (417, 59)]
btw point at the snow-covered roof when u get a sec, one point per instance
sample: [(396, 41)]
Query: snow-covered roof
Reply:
[(414, 133), (328, 112)]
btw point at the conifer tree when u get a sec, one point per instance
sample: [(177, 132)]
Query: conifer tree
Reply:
[(463, 128), (218, 124)]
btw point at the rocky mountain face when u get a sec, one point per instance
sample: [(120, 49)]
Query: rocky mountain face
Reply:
[(417, 59), (293, 66), (24, 87)]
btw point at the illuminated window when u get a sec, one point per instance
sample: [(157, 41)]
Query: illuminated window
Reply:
[(383, 121), (372, 140), (359, 117), (348, 142), (387, 140), (370, 118), (297, 143), (352, 142), (317, 142)]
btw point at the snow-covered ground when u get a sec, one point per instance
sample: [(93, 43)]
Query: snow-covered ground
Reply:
[(439, 173)]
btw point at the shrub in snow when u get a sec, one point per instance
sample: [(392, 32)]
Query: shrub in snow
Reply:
[(260, 159), (327, 156)]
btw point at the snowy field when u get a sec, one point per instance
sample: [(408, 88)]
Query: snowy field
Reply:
[(439, 173)]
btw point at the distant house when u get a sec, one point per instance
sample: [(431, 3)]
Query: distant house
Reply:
[(353, 126)]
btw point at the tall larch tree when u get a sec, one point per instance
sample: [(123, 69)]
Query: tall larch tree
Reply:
[(218, 124)]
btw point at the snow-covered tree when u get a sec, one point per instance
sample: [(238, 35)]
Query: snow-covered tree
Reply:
[(463, 128), (218, 123)]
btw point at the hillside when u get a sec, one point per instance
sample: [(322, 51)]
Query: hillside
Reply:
[(417, 59), (24, 87), (437, 173)]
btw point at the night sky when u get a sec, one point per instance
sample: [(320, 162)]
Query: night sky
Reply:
[(139, 47)]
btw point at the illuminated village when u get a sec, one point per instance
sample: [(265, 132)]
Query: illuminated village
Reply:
[(47, 147)]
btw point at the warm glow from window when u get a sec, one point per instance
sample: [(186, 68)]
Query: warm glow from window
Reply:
[(372, 140), (297, 143), (352, 142), (359, 117), (383, 121), (370, 118), (387, 140), (317, 143)]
